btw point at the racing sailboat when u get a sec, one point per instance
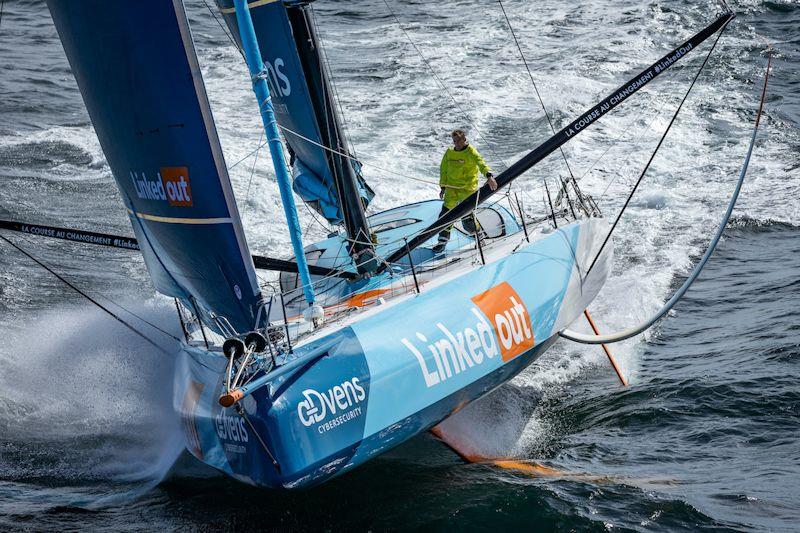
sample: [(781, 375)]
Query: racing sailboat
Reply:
[(372, 336)]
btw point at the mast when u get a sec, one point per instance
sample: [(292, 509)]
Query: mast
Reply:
[(347, 187), (560, 138), (261, 89)]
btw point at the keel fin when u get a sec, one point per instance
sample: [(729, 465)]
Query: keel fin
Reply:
[(522, 466)]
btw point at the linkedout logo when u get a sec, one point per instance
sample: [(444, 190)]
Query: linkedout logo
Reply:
[(170, 184), (333, 407), (509, 317), (502, 327)]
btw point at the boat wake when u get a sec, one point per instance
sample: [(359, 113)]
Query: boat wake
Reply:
[(85, 400)]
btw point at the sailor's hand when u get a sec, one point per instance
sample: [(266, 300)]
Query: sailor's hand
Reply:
[(441, 194), (491, 181)]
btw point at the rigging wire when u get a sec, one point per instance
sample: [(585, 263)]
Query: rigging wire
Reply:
[(227, 34), (250, 154), (325, 227), (85, 295), (626, 129), (335, 92), (658, 146), (443, 85), (624, 162), (252, 172), (578, 193), (535, 88), (123, 308), (109, 300), (329, 128), (348, 156), (654, 102), (695, 273)]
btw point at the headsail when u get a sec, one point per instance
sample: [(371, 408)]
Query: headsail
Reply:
[(296, 108), (324, 174), (137, 69)]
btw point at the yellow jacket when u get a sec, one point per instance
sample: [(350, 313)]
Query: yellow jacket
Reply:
[(458, 174)]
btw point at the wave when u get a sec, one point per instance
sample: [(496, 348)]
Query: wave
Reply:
[(755, 225), (83, 399), (75, 146)]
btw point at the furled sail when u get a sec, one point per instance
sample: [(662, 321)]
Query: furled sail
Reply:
[(300, 102), (138, 73)]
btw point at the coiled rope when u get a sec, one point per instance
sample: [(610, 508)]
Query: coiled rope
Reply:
[(631, 332)]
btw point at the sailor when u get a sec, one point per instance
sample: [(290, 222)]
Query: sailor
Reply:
[(458, 178)]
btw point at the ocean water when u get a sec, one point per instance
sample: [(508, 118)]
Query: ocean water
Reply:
[(707, 436)]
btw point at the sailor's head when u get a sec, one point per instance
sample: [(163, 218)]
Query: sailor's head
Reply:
[(459, 139)]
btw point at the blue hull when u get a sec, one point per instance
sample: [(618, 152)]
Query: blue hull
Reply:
[(398, 370)]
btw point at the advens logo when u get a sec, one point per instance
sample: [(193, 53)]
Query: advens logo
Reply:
[(170, 184), (231, 428), (334, 407), (502, 325)]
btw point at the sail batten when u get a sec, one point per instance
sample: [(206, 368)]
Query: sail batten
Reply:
[(138, 72)]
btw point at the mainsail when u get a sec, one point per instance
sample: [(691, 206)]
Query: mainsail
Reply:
[(138, 73), (324, 174)]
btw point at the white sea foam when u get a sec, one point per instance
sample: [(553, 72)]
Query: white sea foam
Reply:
[(74, 376)]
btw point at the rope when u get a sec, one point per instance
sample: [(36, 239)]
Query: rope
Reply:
[(252, 172), (442, 84), (631, 332), (536, 89), (350, 157), (653, 155), (228, 35), (82, 293)]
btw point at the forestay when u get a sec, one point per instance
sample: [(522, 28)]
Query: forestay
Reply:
[(138, 73)]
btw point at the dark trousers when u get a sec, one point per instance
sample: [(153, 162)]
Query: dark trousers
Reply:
[(470, 224)]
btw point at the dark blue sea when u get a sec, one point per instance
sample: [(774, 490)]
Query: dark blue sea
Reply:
[(705, 438)]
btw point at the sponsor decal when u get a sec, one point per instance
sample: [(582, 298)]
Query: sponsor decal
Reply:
[(621, 95), (170, 184), (333, 407), (232, 432), (188, 417), (509, 317), (502, 327), (176, 183), (276, 79), (79, 236)]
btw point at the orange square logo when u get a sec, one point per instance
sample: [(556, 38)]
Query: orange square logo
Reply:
[(509, 317), (177, 186)]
